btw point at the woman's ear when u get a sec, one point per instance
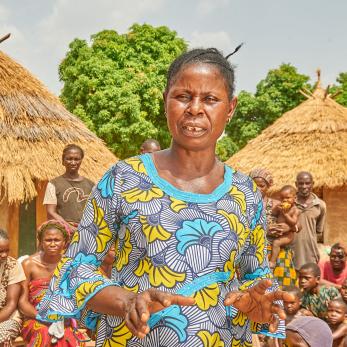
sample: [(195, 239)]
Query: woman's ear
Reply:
[(232, 107), (165, 98)]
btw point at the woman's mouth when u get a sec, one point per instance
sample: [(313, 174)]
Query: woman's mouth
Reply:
[(193, 131)]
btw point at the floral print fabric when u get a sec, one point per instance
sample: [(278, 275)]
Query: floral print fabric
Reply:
[(165, 238)]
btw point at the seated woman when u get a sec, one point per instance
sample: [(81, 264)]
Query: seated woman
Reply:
[(53, 237), (11, 274)]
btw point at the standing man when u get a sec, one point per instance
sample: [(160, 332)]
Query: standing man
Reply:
[(312, 220)]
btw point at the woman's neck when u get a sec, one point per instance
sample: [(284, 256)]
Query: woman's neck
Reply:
[(49, 259), (187, 164)]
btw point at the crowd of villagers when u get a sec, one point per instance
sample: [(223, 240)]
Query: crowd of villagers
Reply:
[(315, 311)]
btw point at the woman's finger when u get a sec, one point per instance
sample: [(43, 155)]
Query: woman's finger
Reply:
[(273, 324), (277, 309), (281, 295), (142, 303), (181, 300), (232, 298), (141, 333), (261, 286)]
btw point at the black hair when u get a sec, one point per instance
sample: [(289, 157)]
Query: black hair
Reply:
[(53, 224), (341, 302), (304, 173), (338, 246), (203, 56), (293, 290), (288, 187), (3, 235), (313, 267), (149, 142), (72, 146)]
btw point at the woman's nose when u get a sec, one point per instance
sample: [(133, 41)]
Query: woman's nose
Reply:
[(195, 106)]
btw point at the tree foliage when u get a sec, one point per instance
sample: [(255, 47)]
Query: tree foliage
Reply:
[(225, 148), (340, 89), (276, 94), (115, 84)]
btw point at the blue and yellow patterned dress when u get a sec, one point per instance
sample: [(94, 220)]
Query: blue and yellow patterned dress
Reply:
[(202, 245)]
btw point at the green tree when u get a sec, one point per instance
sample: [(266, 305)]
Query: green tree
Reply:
[(341, 89), (225, 148), (115, 84), (276, 94)]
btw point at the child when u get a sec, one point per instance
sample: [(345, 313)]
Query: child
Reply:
[(337, 311), (315, 297), (293, 308), (285, 212), (343, 290)]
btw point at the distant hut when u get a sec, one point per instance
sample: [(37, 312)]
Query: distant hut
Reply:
[(34, 128), (311, 137)]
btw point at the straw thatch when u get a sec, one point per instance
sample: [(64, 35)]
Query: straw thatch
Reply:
[(311, 137), (34, 128)]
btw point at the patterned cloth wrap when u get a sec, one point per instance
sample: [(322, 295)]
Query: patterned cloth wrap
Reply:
[(284, 270), (10, 328), (202, 245), (35, 333)]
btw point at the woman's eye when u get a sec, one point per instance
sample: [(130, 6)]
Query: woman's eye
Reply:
[(211, 99), (183, 97)]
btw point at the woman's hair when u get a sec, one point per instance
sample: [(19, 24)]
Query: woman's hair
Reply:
[(54, 224), (72, 146), (263, 173), (313, 267), (3, 235), (203, 56)]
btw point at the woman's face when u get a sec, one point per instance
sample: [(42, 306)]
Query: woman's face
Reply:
[(337, 259), (53, 242), (72, 160), (4, 250), (198, 107), (262, 185)]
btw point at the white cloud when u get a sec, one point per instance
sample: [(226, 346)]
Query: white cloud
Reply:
[(205, 7), (217, 39), (4, 13)]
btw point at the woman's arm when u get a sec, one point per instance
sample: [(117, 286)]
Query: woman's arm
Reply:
[(12, 296), (25, 307)]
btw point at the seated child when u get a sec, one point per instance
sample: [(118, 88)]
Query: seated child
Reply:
[(315, 297), (284, 212), (337, 311), (343, 291)]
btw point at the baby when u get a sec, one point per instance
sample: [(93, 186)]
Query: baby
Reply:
[(337, 311), (284, 212)]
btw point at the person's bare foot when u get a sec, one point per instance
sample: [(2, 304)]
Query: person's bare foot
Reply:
[(272, 265)]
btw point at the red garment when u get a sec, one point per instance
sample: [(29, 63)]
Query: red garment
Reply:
[(328, 274), (35, 333)]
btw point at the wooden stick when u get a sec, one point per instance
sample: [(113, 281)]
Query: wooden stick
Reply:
[(5, 37)]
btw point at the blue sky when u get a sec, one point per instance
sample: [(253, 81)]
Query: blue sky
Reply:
[(305, 33)]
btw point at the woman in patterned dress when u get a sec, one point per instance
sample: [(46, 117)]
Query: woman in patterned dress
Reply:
[(188, 233), (11, 275), (53, 237)]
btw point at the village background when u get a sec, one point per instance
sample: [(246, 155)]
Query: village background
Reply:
[(93, 74)]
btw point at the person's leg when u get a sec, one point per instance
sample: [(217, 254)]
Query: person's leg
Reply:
[(276, 247)]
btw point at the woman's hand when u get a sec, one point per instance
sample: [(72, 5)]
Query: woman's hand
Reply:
[(142, 305), (258, 305)]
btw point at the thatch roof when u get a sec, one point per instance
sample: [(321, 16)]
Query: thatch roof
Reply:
[(34, 128), (311, 137)]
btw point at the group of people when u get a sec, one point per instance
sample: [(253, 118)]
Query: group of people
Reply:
[(170, 248)]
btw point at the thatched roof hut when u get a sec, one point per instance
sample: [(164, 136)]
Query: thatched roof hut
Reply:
[(34, 128), (311, 137)]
